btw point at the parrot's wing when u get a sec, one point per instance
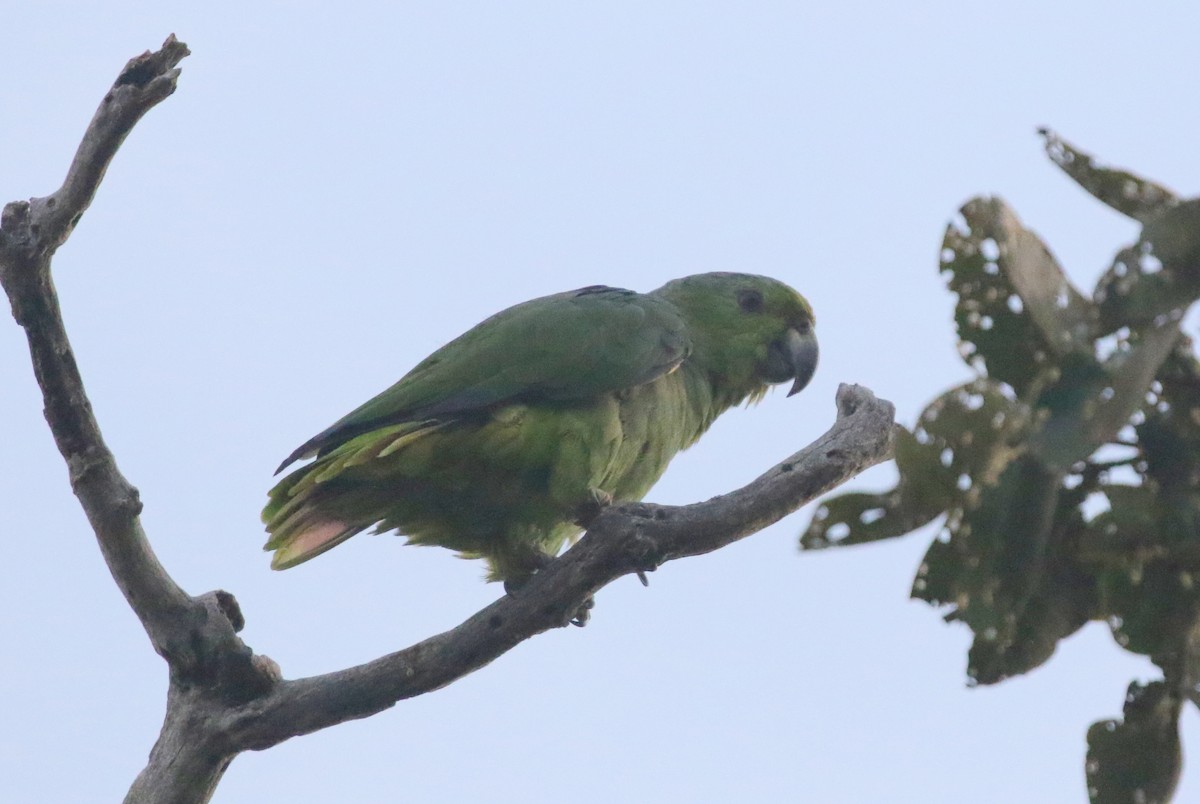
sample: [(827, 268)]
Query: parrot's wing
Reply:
[(572, 345)]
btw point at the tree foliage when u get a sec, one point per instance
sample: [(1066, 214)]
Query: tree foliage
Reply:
[(1066, 472)]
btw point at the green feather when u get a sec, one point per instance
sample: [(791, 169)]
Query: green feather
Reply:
[(494, 444)]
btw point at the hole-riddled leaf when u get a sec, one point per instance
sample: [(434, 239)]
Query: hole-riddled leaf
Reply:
[(1136, 760), (996, 555), (858, 518), (1068, 471), (994, 338), (1157, 276), (1125, 192), (1150, 608), (955, 437), (1061, 605)]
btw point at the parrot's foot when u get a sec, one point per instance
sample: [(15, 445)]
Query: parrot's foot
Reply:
[(583, 613), (514, 583), (521, 571), (597, 501), (513, 587)]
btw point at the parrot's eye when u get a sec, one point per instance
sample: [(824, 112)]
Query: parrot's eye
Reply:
[(751, 301)]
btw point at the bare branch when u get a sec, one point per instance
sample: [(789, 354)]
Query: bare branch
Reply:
[(146, 81), (223, 699), (30, 232), (621, 540)]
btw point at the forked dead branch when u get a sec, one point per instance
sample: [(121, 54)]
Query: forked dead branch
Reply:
[(223, 699)]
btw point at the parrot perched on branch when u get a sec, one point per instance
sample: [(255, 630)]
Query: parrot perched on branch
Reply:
[(497, 443)]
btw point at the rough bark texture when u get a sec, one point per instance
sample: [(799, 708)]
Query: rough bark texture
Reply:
[(223, 699)]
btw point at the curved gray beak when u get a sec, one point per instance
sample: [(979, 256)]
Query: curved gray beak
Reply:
[(793, 357)]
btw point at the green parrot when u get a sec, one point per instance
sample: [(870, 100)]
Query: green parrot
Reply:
[(497, 444)]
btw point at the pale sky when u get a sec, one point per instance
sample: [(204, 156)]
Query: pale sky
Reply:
[(337, 189)]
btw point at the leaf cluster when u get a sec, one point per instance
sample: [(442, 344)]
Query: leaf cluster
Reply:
[(1066, 472)]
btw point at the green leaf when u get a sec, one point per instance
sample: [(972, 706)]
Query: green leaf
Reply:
[(965, 426), (1173, 238), (1062, 604), (998, 550), (1088, 403), (1136, 760), (1125, 192), (995, 335), (1150, 608), (1157, 276), (1124, 537), (1063, 315), (954, 439), (1170, 444), (859, 518), (936, 577)]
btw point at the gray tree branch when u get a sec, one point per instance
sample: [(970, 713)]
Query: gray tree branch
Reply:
[(621, 540), (30, 232), (223, 699)]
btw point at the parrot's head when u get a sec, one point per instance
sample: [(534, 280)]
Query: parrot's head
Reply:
[(747, 331)]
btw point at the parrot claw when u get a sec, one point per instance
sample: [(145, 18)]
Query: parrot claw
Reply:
[(521, 566), (515, 583), (597, 501), (583, 613), (642, 577)]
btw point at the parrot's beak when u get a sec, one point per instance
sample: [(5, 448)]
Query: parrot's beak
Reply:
[(793, 357)]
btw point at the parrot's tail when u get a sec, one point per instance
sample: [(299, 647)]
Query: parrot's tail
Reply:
[(303, 544), (299, 529), (301, 516)]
